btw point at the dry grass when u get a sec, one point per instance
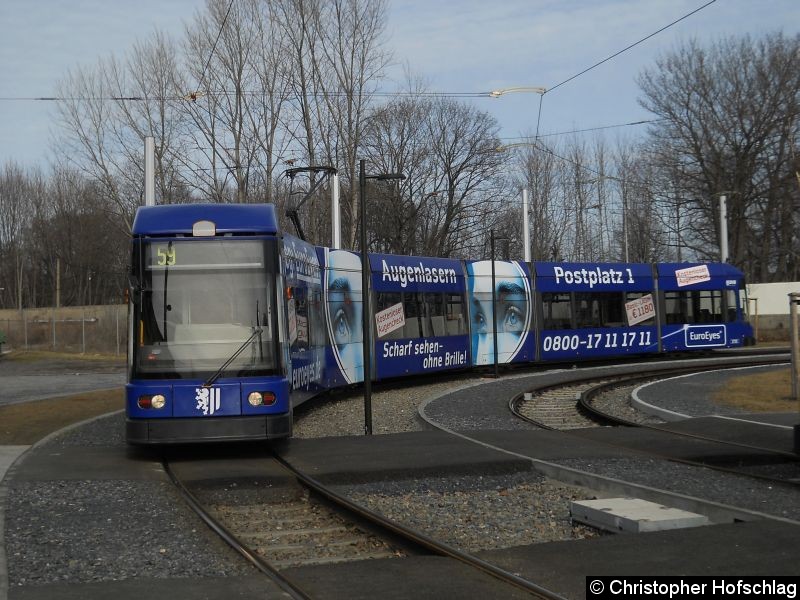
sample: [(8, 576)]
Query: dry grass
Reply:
[(28, 422), (761, 392)]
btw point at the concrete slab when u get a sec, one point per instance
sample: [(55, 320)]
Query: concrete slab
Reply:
[(633, 515), (760, 548), (8, 454), (367, 579), (550, 445), (221, 588), (70, 463), (787, 419), (256, 476), (664, 443), (739, 431), (361, 459), (433, 577)]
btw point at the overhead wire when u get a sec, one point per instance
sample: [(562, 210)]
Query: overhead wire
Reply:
[(479, 94), (535, 142), (608, 58), (587, 129), (214, 47), (626, 48)]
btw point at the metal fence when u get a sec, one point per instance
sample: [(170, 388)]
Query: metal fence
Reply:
[(84, 329)]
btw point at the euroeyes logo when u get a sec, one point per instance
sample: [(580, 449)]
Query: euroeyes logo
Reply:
[(704, 336)]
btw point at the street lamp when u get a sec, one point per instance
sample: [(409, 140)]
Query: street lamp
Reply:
[(365, 319), (532, 89), (723, 227)]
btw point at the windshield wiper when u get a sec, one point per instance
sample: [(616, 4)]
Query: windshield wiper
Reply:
[(221, 370)]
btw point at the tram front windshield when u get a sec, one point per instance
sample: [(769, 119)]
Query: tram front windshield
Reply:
[(201, 302)]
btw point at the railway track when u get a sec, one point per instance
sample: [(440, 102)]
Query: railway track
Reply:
[(309, 524), (583, 404)]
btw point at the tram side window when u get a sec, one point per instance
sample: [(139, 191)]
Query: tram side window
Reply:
[(434, 309), (417, 322), (306, 320), (730, 306), (601, 309), (744, 302), (316, 319), (696, 307), (426, 314), (677, 308), (384, 300), (709, 306), (455, 322), (557, 307), (299, 325)]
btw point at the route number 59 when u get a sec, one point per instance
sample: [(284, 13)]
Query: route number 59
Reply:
[(166, 257)]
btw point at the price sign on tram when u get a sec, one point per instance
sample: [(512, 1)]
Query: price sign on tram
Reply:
[(640, 309)]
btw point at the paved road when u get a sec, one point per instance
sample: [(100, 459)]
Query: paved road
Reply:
[(24, 381), (693, 394)]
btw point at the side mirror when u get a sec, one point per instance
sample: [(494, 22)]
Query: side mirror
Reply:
[(133, 291)]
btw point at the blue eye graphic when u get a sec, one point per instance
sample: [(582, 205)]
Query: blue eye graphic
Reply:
[(478, 318), (513, 318), (512, 307), (341, 328)]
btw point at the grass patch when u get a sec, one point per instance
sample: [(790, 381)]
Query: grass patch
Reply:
[(28, 422), (769, 391)]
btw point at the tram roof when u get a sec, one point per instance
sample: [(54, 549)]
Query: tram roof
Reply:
[(179, 219)]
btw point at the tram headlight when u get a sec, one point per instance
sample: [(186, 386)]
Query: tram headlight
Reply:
[(156, 401), (261, 398)]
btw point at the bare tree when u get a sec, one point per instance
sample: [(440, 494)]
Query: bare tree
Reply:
[(219, 50), (539, 172), (396, 140), (149, 75), (266, 105), (106, 112), (467, 173), (351, 63), (15, 217), (729, 122), (87, 117)]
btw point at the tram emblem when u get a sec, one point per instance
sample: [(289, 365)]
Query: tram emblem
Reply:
[(207, 400)]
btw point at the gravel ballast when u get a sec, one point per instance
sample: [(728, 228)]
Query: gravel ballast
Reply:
[(83, 531), (478, 513)]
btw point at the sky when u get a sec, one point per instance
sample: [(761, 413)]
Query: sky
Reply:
[(455, 46)]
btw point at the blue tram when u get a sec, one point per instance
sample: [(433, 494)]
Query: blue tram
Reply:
[(208, 346), (232, 324)]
